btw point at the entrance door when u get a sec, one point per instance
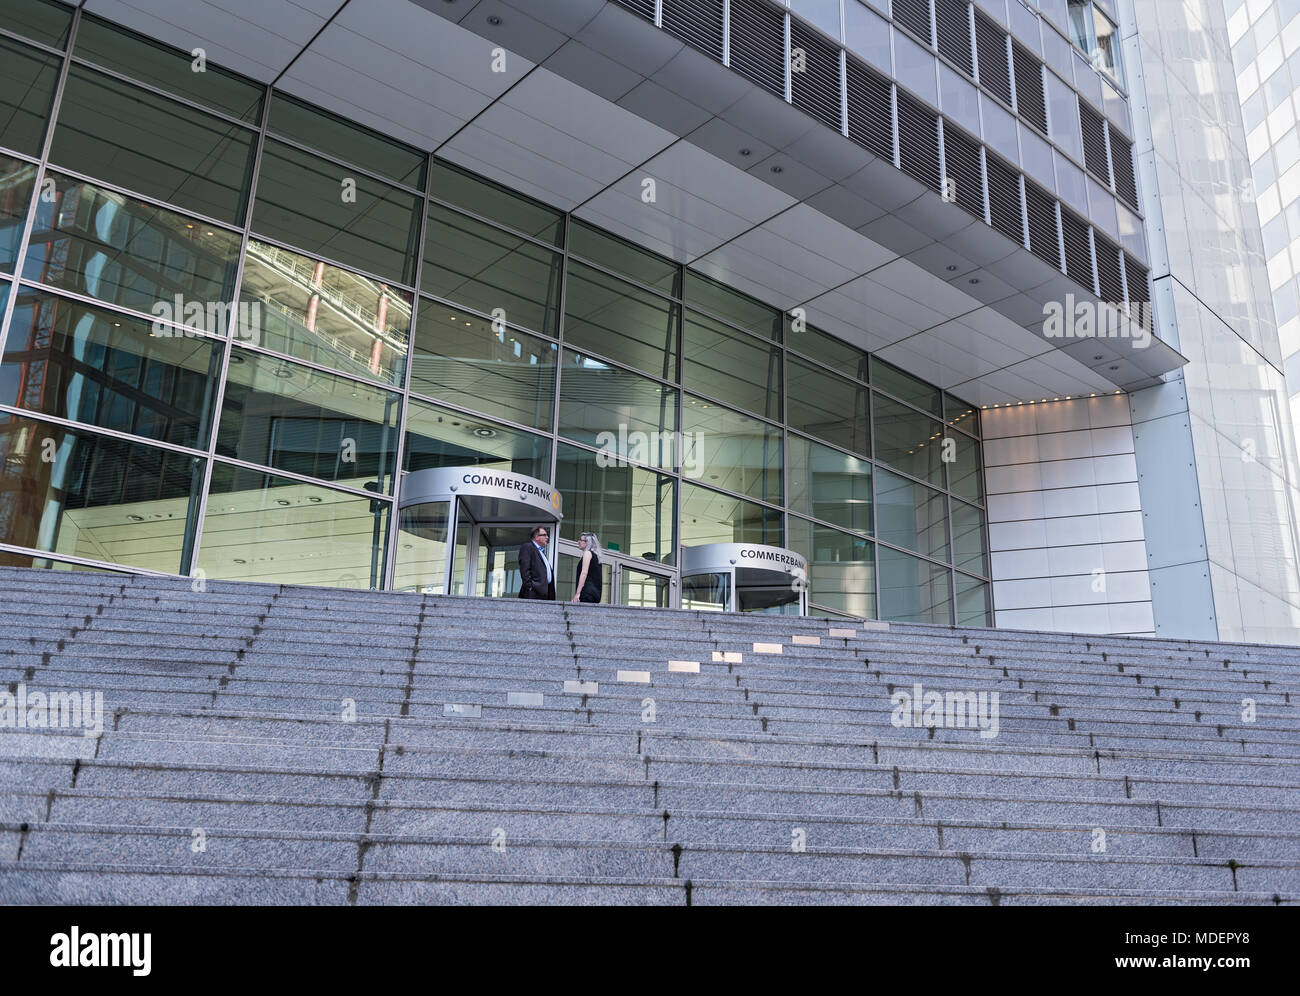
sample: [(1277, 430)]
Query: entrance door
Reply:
[(627, 580), (492, 562)]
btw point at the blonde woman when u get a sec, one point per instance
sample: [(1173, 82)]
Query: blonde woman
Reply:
[(590, 581)]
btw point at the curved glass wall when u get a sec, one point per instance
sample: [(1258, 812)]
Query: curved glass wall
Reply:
[(214, 363)]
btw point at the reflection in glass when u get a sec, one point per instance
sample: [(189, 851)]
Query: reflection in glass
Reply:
[(290, 417), (835, 353), (27, 81), (841, 568), (640, 589), (106, 369), (261, 527), (324, 314), (17, 180), (731, 366), (908, 440), (117, 249), (913, 590), (152, 145), (629, 508), (343, 139), (965, 476), (970, 546), (494, 202), (79, 493), (421, 555), (41, 20), (731, 305), (728, 450), (615, 319), (628, 416), (506, 373), (827, 406), (962, 414), (440, 437), (494, 272), (911, 515), (973, 606), (709, 592), (623, 257), (829, 485), (710, 517), (905, 387)]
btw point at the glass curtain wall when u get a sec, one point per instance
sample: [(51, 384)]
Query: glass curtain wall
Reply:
[(232, 319)]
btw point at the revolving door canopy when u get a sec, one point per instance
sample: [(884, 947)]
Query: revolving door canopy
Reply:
[(744, 577), (461, 527)]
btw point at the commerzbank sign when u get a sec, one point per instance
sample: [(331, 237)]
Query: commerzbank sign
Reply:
[(444, 483)]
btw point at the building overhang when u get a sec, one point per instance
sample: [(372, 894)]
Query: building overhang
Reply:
[(589, 101)]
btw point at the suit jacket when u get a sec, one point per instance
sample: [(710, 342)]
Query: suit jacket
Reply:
[(532, 574)]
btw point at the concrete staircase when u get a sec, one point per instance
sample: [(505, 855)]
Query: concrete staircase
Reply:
[(268, 744)]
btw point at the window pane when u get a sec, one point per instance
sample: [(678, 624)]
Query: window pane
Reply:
[(913, 590), (106, 369), (970, 547), (34, 562), (319, 129), (314, 311), (494, 202), (17, 180), (710, 517), (828, 406), (911, 515), (728, 450), (27, 82), (908, 440), (41, 20), (965, 476), (602, 405), (114, 248), (615, 319), (440, 437), (973, 608), (841, 568), (484, 268), (731, 305), (153, 145), (282, 415), (168, 69), (731, 366), (904, 386), (829, 350), (623, 257), (628, 508), (313, 205), (962, 414), (260, 527), (458, 358), (829, 485), (100, 498)]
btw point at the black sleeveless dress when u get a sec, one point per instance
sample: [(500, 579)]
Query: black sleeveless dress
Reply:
[(591, 591)]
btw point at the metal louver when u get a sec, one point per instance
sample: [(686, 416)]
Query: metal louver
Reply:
[(918, 141), (966, 179), (1004, 199), (991, 43), (1040, 210), (1108, 271), (758, 44), (871, 114), (1078, 251), (696, 22), (646, 8), (815, 89), (1121, 154), (1139, 291), (1030, 102), (914, 15), (1094, 142), (952, 25)]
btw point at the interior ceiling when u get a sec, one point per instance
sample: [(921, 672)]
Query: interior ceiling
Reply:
[(591, 102)]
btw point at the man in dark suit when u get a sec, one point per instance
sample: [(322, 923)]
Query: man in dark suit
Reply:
[(537, 580)]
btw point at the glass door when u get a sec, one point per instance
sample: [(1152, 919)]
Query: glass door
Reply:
[(494, 562), (645, 589)]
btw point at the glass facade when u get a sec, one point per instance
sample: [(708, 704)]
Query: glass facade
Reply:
[(215, 362)]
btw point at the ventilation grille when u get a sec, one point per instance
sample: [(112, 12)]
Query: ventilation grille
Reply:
[(816, 90), (1004, 199), (1139, 292), (1121, 152), (696, 22), (914, 15), (1078, 253), (871, 117), (952, 25), (758, 44), (646, 8), (966, 180), (918, 141), (991, 41), (1041, 213), (1108, 273), (1029, 88), (1094, 142)]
